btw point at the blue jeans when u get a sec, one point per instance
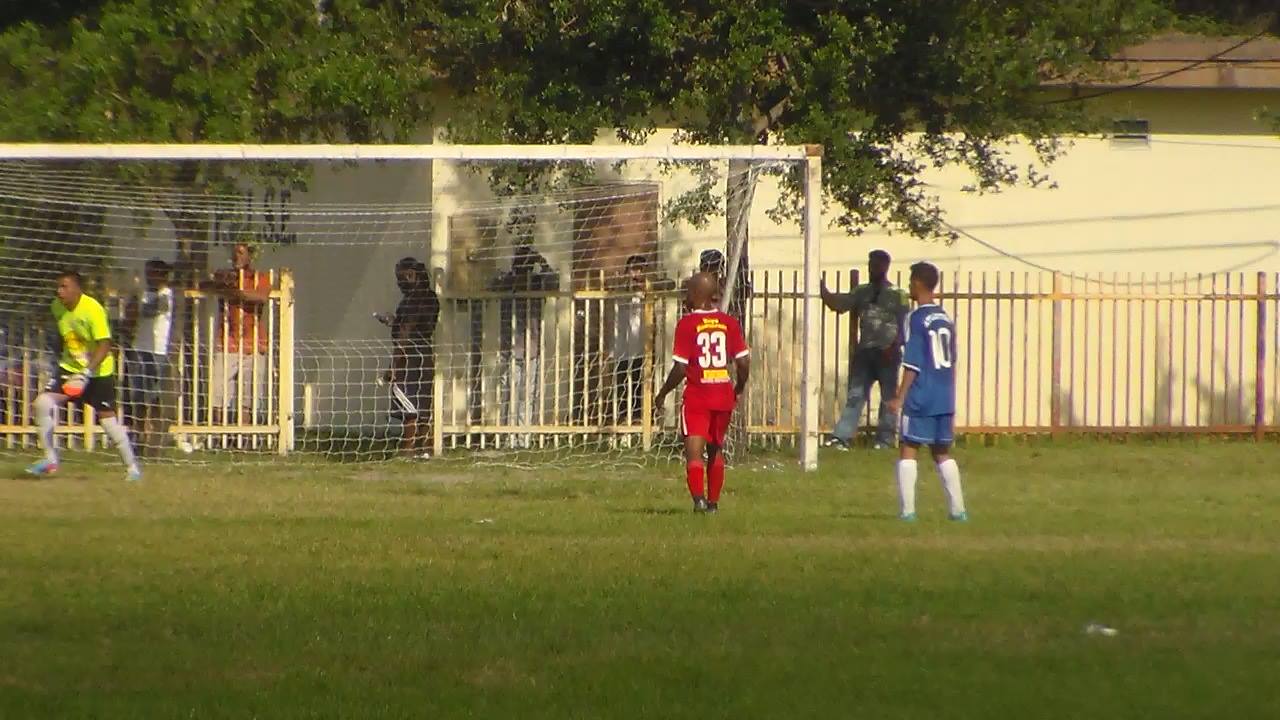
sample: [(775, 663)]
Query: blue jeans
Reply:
[(870, 366)]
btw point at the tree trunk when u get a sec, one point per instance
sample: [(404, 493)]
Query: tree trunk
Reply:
[(740, 191)]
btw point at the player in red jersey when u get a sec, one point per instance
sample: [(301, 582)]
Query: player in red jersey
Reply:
[(707, 341)]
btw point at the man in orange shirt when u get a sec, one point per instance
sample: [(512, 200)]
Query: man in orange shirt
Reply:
[(240, 372)]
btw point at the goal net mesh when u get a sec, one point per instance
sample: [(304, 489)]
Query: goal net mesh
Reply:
[(367, 311)]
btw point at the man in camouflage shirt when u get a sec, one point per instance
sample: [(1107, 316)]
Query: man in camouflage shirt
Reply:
[(880, 309)]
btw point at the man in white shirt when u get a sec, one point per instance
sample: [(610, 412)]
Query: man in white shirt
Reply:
[(627, 346), (146, 357), (520, 336)]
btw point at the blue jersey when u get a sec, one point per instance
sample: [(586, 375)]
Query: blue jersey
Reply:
[(930, 351)]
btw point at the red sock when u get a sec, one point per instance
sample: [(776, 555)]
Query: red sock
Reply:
[(715, 478), (695, 471)]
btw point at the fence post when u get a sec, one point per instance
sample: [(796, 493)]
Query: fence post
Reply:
[(1260, 376), (646, 373), (1055, 384), (284, 442), (811, 358), (853, 336), (437, 396)]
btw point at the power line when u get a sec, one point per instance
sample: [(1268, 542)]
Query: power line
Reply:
[(1205, 143), (1273, 249), (1160, 76)]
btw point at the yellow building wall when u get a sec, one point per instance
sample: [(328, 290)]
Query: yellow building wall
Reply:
[(1200, 197)]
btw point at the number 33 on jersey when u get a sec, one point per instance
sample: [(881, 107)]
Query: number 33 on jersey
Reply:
[(930, 351), (706, 343)]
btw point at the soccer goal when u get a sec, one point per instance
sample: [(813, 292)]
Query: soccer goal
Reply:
[(506, 304)]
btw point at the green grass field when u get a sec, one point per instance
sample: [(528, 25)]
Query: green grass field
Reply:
[(438, 591)]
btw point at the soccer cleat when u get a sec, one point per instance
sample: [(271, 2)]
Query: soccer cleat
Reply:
[(836, 443), (43, 467), (907, 517), (699, 504), (713, 507), (959, 517), (134, 474)]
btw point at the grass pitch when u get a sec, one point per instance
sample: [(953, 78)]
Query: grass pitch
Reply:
[(437, 591)]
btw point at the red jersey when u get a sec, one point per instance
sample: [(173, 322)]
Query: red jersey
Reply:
[(707, 342)]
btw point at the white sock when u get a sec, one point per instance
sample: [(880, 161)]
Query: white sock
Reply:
[(120, 438), (906, 472), (46, 420), (949, 471)]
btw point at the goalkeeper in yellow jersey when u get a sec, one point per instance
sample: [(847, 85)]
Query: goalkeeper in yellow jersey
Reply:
[(86, 374)]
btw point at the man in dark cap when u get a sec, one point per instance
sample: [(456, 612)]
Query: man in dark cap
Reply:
[(711, 262), (876, 357), (412, 373)]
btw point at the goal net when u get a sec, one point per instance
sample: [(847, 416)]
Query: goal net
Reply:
[(363, 304)]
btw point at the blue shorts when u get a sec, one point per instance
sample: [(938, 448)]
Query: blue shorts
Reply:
[(928, 430)]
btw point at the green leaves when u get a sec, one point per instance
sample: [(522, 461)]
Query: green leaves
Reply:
[(229, 71), (889, 87)]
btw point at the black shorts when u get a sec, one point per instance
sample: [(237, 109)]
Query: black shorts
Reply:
[(99, 394), (411, 394)]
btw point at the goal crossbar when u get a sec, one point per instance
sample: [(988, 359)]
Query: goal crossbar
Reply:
[(211, 151)]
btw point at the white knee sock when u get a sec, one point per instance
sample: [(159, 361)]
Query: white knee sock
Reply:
[(906, 472), (949, 471), (46, 419), (120, 438)]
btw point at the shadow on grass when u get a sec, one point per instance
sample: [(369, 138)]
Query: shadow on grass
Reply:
[(651, 511), (882, 517)]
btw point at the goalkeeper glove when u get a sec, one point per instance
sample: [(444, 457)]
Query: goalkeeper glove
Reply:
[(73, 385)]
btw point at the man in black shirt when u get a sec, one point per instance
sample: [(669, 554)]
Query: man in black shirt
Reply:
[(412, 373)]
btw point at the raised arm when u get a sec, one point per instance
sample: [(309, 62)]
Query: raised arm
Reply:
[(256, 293), (156, 306), (431, 316), (836, 302)]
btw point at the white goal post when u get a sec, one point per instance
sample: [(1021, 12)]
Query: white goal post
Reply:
[(807, 156)]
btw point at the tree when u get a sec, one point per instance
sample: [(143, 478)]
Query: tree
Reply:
[(209, 70), (1227, 16), (890, 88)]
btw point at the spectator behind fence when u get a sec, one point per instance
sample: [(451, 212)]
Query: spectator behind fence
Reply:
[(240, 349), (880, 309), (148, 320), (11, 377), (412, 373), (520, 334), (627, 346)]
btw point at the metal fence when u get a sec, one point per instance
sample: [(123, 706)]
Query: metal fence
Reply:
[(1037, 353), (1118, 353)]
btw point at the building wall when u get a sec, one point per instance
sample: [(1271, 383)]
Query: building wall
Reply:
[(1199, 197)]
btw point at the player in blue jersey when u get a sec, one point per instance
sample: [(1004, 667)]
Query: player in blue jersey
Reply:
[(926, 398)]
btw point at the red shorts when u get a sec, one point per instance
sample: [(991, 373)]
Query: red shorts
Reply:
[(709, 424)]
